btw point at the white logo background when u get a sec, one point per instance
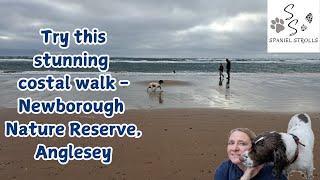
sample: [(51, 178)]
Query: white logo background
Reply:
[(289, 26)]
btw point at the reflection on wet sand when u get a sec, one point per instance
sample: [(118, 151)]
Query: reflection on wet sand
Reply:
[(156, 96), (228, 93), (227, 90)]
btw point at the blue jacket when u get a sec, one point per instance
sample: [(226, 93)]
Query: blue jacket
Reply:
[(229, 171)]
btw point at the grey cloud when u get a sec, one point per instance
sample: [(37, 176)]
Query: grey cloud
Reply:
[(135, 27)]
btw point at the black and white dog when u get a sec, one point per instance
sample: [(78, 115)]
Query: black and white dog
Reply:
[(291, 151), (155, 85)]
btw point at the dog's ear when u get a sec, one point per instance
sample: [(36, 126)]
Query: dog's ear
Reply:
[(280, 162)]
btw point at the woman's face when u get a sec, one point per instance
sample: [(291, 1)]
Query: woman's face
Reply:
[(238, 143)]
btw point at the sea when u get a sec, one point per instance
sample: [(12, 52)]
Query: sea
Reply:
[(256, 84), (181, 65)]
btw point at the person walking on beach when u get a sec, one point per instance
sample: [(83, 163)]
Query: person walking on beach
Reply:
[(221, 71), (228, 68)]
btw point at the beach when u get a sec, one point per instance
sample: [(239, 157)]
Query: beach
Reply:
[(176, 144), (273, 92), (142, 90), (185, 125)]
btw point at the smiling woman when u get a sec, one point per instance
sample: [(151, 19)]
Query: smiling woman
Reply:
[(240, 140)]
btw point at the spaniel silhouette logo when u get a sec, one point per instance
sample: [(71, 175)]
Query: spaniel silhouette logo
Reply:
[(293, 26)]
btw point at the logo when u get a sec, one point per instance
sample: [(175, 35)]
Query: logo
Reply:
[(293, 26), (277, 25)]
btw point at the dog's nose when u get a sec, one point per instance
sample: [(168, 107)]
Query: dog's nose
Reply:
[(242, 159)]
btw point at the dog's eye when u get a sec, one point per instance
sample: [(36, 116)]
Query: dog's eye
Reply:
[(260, 142)]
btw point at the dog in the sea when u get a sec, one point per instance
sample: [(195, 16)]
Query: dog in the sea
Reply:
[(155, 85), (291, 151)]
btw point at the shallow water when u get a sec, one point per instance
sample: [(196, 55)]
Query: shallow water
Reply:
[(290, 92)]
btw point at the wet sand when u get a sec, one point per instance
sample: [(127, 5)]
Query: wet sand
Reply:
[(248, 91), (166, 82), (176, 144)]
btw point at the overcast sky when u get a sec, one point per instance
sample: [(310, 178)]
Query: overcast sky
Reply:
[(140, 28)]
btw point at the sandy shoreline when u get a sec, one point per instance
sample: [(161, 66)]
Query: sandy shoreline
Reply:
[(176, 144), (247, 91)]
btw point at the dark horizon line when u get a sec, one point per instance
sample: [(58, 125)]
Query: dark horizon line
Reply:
[(133, 57)]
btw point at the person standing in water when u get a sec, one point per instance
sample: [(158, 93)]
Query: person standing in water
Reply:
[(228, 68), (221, 71), (221, 76)]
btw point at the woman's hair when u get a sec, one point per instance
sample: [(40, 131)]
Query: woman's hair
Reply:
[(247, 131)]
